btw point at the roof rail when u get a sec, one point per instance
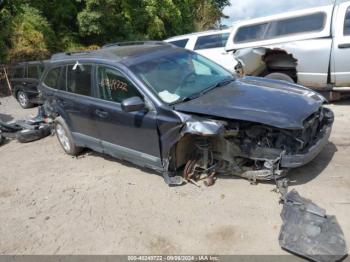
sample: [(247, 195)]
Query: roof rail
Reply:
[(135, 43), (65, 54)]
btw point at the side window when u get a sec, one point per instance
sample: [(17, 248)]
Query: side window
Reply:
[(33, 71), (113, 86), (281, 28), (180, 43), (250, 33), (79, 79), (18, 72), (211, 41), (347, 23), (52, 77), (303, 24)]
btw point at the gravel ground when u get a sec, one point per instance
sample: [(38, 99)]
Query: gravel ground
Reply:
[(51, 203)]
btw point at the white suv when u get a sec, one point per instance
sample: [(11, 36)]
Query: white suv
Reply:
[(210, 44)]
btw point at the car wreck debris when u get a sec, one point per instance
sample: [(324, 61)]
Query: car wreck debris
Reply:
[(309, 232), (253, 151), (26, 131)]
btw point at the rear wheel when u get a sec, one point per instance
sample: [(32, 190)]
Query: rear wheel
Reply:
[(280, 76), (65, 138), (23, 100)]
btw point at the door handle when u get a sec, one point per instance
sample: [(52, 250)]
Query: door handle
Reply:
[(101, 113), (343, 46)]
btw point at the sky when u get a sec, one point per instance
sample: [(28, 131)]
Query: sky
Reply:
[(245, 9)]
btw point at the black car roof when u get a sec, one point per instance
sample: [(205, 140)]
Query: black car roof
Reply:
[(126, 52)]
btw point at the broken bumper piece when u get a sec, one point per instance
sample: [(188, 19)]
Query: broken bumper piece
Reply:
[(292, 161), (308, 232)]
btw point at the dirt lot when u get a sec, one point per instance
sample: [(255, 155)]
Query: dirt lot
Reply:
[(51, 203)]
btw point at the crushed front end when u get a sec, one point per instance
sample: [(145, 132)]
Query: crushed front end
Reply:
[(249, 150)]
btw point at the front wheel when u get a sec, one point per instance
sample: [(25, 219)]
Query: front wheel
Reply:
[(65, 137), (280, 76), (23, 100)]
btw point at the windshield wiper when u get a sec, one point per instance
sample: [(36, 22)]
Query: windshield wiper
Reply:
[(198, 94), (221, 83)]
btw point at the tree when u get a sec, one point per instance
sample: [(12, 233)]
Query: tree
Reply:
[(118, 20), (8, 9), (32, 36), (101, 21), (35, 28), (208, 13)]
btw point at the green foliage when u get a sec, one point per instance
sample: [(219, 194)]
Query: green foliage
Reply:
[(5, 34), (32, 36), (34, 28)]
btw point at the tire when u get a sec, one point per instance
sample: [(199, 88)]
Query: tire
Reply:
[(23, 100), (280, 76), (65, 137)]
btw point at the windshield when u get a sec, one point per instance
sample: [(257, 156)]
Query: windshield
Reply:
[(178, 76)]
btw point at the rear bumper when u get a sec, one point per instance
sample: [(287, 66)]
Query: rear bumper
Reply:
[(292, 161)]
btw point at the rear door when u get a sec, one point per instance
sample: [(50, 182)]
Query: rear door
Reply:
[(127, 135), (341, 47), (75, 99)]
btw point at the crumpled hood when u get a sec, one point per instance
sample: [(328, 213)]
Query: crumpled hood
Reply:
[(271, 102)]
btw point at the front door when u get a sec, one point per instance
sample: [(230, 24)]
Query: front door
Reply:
[(131, 136)]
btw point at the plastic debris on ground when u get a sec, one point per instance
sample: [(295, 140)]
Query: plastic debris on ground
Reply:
[(309, 232)]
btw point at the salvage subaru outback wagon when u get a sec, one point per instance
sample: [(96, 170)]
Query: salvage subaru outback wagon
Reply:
[(175, 111)]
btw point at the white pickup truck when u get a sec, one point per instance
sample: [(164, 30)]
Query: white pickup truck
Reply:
[(310, 47)]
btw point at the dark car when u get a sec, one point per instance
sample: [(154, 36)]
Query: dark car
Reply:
[(173, 110), (24, 81)]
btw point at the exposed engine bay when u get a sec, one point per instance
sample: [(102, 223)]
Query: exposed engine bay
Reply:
[(249, 150)]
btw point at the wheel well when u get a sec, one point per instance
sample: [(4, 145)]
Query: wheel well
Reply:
[(181, 152), (280, 61)]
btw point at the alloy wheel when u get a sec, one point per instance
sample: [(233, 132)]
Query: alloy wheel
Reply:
[(62, 137)]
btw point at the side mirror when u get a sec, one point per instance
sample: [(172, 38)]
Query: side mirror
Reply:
[(133, 104)]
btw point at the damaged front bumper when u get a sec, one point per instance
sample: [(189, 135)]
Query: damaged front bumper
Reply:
[(297, 160)]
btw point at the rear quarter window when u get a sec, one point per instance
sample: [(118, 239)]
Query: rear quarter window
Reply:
[(281, 28), (211, 41)]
